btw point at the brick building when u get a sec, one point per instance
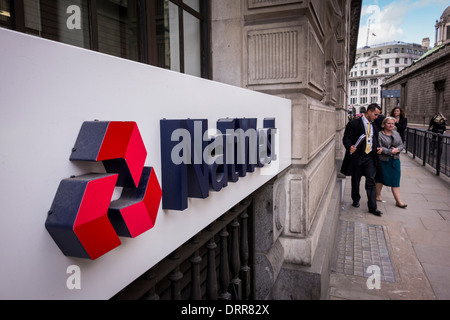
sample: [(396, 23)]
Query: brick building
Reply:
[(424, 86)]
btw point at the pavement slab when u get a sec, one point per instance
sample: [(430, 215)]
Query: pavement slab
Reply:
[(410, 247)]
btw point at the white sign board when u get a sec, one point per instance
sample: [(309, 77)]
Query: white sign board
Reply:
[(47, 91)]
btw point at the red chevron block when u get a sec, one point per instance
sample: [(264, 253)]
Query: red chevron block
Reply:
[(78, 220), (123, 141), (92, 226), (118, 145), (136, 211)]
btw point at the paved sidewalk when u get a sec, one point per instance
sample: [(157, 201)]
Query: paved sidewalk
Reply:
[(408, 249)]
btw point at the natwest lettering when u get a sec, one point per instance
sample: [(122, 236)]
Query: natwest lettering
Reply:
[(196, 160)]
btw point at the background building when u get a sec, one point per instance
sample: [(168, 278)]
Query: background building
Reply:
[(280, 238), (443, 28), (424, 86), (374, 64)]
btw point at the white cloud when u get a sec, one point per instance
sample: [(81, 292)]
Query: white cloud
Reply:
[(399, 20), (424, 3), (385, 23)]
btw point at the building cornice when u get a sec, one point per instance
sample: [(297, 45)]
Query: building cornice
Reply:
[(355, 17)]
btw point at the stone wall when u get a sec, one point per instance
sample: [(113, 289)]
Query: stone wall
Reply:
[(424, 87), (300, 50)]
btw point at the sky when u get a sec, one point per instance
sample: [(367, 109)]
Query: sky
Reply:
[(399, 20)]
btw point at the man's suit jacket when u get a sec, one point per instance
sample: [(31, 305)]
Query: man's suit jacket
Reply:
[(353, 131)]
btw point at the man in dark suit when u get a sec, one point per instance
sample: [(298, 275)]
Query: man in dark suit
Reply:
[(362, 160)]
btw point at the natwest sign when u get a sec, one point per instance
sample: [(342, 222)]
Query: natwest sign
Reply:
[(85, 223), (195, 161), (113, 155)]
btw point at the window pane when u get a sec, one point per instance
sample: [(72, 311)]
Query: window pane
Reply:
[(174, 34), (192, 47), (5, 14), (162, 34), (174, 53), (117, 28), (167, 35), (64, 20), (194, 4)]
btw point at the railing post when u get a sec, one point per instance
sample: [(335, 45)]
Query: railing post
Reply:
[(196, 291), (150, 294), (439, 151), (224, 272), (424, 147), (175, 288), (195, 260), (407, 140), (445, 156), (415, 143), (235, 261), (175, 277), (211, 277), (244, 251)]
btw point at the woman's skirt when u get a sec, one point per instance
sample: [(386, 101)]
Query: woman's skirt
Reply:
[(391, 172)]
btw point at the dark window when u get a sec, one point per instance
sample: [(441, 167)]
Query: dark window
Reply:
[(5, 14), (179, 35), (51, 20), (171, 34), (117, 27)]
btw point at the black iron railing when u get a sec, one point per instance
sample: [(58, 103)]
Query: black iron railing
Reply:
[(432, 148), (216, 264)]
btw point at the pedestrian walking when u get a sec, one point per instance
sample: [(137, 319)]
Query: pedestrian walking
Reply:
[(438, 123), (391, 145), (401, 122), (361, 158), (378, 121)]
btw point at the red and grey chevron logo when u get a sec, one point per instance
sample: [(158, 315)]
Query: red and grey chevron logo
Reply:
[(83, 221)]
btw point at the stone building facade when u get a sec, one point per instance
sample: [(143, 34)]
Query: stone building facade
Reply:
[(303, 51)]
